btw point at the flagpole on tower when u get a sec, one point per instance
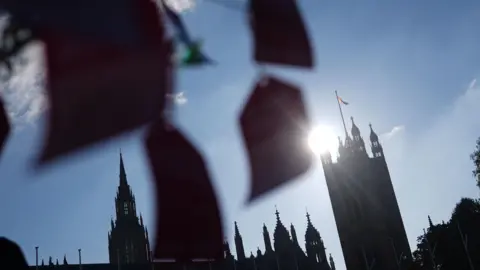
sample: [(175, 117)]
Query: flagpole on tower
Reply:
[(341, 113)]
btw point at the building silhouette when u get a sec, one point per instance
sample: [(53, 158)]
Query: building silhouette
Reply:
[(129, 247), (128, 239), (369, 223)]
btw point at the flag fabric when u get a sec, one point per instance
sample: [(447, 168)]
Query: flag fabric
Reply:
[(111, 21), (195, 233), (280, 37), (276, 151), (342, 101), (193, 54), (97, 90)]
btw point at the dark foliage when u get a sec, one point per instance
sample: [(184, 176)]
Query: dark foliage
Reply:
[(4, 126), (475, 156), (444, 246)]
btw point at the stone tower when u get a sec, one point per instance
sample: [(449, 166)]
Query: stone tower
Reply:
[(128, 238), (369, 223)]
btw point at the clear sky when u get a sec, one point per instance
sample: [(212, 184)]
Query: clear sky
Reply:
[(408, 67)]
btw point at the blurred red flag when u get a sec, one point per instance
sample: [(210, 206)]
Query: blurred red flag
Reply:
[(97, 91), (107, 21), (4, 126), (275, 126), (279, 34), (189, 224)]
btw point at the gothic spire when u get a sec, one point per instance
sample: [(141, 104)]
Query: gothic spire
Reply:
[(313, 242), (355, 129), (430, 223), (358, 145), (239, 244), (65, 259), (373, 135), (377, 150), (332, 263), (266, 239), (281, 236), (294, 235), (237, 232), (226, 249), (123, 174)]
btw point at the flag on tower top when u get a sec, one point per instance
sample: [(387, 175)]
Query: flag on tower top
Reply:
[(342, 101)]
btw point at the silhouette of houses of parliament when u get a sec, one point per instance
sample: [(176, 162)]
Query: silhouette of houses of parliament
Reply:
[(129, 247), (367, 215), (369, 223)]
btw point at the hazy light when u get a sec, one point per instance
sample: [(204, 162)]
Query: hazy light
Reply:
[(322, 139)]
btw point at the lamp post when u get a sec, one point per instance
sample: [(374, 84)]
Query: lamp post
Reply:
[(36, 257)]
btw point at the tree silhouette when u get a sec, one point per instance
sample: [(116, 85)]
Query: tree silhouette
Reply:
[(475, 156), (452, 245)]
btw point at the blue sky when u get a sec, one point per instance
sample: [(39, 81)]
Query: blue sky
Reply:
[(408, 67)]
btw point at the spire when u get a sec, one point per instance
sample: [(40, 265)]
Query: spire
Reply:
[(277, 214), (332, 263), (373, 135), (239, 244), (355, 129), (123, 174), (65, 259), (281, 236), (266, 240), (226, 249), (43, 263), (430, 223), (294, 235), (237, 232), (259, 252), (377, 150), (314, 246), (358, 145)]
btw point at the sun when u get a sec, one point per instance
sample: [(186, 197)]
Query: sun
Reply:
[(322, 139)]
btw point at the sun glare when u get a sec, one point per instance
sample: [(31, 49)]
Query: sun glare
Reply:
[(322, 139)]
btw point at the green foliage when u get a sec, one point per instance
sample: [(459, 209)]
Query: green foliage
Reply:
[(442, 245), (475, 156)]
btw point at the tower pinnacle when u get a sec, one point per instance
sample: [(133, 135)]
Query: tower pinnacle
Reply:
[(123, 174), (239, 244), (128, 237), (377, 150)]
